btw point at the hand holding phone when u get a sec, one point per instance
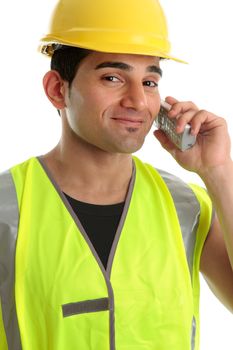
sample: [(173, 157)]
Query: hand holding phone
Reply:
[(182, 140)]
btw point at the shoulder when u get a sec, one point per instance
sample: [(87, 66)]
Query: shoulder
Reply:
[(175, 184), (8, 193), (188, 198)]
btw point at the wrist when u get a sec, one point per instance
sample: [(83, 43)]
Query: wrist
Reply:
[(216, 177)]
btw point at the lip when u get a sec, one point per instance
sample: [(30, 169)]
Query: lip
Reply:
[(133, 122)]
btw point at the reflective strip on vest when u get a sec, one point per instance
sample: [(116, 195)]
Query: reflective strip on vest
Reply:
[(8, 237), (188, 210), (193, 334), (83, 307)]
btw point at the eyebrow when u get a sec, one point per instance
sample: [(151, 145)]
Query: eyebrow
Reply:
[(127, 67)]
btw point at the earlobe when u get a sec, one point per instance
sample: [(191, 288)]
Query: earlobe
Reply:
[(54, 87)]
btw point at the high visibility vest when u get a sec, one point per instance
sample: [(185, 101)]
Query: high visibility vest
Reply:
[(55, 293)]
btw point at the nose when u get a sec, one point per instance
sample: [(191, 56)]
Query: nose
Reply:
[(134, 97)]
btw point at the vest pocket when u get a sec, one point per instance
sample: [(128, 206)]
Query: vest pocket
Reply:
[(86, 306)]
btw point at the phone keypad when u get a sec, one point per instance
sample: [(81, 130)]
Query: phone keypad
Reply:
[(184, 140), (169, 126)]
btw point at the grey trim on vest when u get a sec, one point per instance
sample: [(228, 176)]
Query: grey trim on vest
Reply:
[(193, 334), (188, 211), (9, 218), (122, 221), (86, 306), (81, 229)]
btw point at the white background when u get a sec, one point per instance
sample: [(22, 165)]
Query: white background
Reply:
[(201, 33)]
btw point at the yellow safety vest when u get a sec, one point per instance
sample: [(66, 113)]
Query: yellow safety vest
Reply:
[(55, 293)]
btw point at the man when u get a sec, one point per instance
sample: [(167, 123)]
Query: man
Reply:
[(98, 249)]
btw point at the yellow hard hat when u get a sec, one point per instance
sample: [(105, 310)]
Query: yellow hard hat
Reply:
[(113, 26)]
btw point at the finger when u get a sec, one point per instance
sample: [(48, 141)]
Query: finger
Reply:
[(204, 121), (177, 106), (171, 100), (197, 122), (195, 119), (184, 119), (182, 107)]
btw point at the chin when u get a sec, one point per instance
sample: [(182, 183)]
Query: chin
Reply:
[(128, 149)]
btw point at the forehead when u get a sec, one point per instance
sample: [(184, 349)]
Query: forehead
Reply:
[(95, 59)]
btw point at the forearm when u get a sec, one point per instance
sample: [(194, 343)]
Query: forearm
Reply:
[(219, 183)]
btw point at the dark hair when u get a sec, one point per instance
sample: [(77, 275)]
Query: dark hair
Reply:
[(66, 60)]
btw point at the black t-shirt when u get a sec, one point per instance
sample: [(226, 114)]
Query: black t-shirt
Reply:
[(100, 223)]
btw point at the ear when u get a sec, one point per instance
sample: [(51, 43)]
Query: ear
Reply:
[(54, 87)]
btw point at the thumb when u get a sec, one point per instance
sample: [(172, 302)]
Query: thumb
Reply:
[(164, 141)]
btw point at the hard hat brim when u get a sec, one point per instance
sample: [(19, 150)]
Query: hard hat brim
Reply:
[(136, 45)]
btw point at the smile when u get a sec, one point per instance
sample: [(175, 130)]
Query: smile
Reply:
[(129, 122)]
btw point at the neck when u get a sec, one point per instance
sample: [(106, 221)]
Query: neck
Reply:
[(89, 174)]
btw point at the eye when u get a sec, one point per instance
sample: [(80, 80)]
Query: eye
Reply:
[(111, 78), (150, 83)]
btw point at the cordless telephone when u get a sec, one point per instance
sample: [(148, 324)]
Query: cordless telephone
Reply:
[(183, 140)]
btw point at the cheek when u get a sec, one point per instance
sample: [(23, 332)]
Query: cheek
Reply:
[(154, 105), (91, 102)]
